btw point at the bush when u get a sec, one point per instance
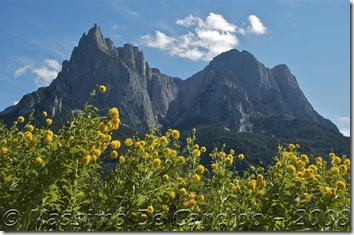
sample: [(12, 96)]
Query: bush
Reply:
[(54, 182)]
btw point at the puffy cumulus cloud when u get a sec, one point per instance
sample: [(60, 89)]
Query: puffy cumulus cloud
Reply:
[(256, 26), (209, 38), (45, 74)]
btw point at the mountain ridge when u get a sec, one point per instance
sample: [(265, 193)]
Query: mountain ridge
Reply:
[(232, 88)]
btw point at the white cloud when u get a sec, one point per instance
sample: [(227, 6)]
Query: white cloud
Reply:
[(45, 73), (209, 38), (256, 26), (22, 70)]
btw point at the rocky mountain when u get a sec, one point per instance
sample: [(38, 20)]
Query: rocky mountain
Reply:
[(235, 91)]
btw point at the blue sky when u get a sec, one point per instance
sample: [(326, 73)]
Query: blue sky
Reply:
[(180, 37)]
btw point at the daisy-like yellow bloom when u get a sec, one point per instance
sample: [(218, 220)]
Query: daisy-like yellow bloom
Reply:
[(113, 113), (196, 177), (290, 169), (337, 160), (252, 184), (341, 185), (86, 159), (203, 149), (291, 147), (262, 183), (121, 159), (260, 192), (335, 170), (4, 150), (201, 197), (151, 209), (172, 195), (103, 127), (214, 166), (181, 160), (307, 197), (165, 177), (229, 159), (30, 128), (175, 134), (102, 88), (128, 142), (163, 140), (165, 208), (189, 140), (252, 168), (144, 216), (38, 160), (20, 119), (183, 191), (49, 121), (331, 155), (346, 162), (304, 158), (241, 157), (115, 144), (44, 114), (260, 177), (28, 135), (196, 153), (97, 152), (319, 159), (200, 169), (113, 154), (156, 162), (192, 195)]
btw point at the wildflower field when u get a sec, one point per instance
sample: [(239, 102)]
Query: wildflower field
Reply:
[(53, 181)]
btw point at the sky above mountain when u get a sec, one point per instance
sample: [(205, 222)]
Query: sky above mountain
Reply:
[(181, 37)]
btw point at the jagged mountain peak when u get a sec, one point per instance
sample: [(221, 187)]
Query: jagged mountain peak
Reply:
[(233, 87)]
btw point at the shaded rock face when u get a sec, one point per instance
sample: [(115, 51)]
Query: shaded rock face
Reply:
[(232, 88)]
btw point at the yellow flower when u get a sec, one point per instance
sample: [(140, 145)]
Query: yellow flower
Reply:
[(318, 159), (304, 158), (260, 177), (201, 197), (165, 177), (192, 195), (262, 184), (229, 160), (252, 168), (347, 162), (335, 170), (115, 144), (196, 153), (151, 209), (241, 157), (103, 127), (291, 147), (113, 113), (156, 162), (97, 152), (337, 160), (181, 159), (163, 140), (260, 192), (175, 134), (28, 135), (331, 155), (252, 184), (128, 142), (189, 140), (38, 160), (214, 166), (203, 149), (29, 128), (200, 169), (143, 215), (307, 197), (341, 185), (172, 195), (183, 191), (4, 150), (196, 177), (165, 207), (102, 88), (121, 159), (113, 154), (291, 169), (45, 114), (20, 119), (49, 121), (86, 159)]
